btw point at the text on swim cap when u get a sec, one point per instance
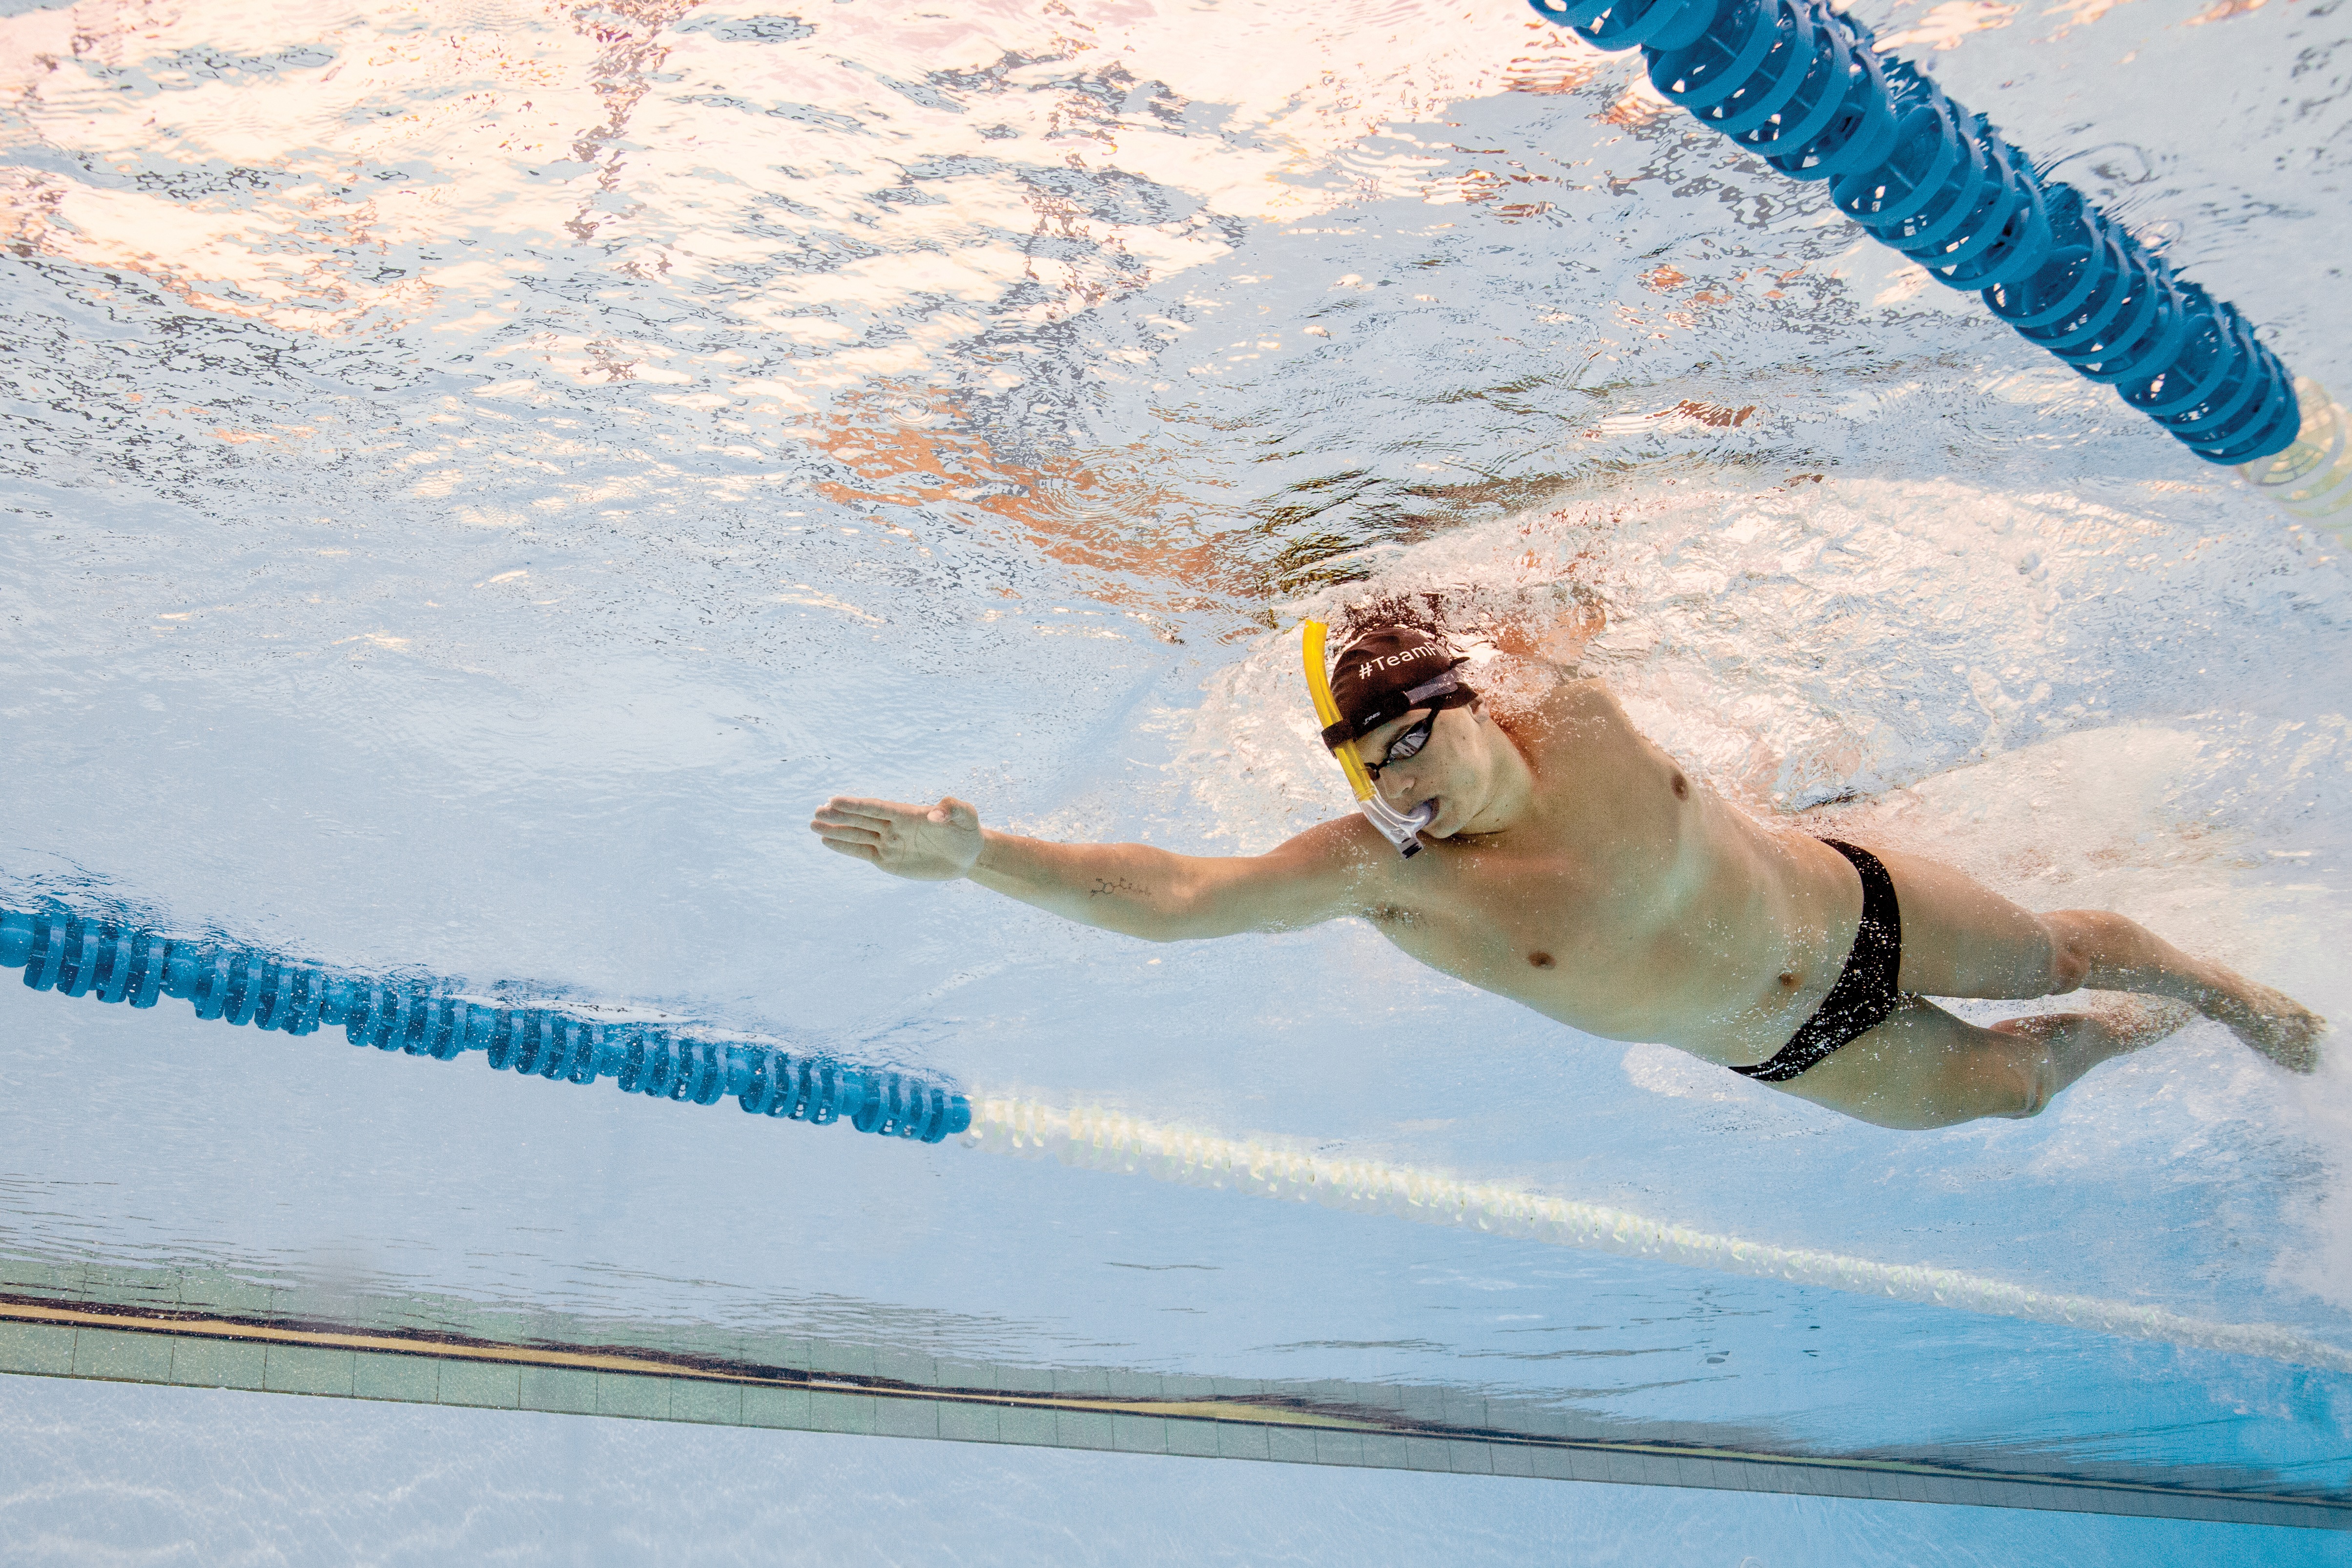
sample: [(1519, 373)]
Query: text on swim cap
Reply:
[(1365, 670)]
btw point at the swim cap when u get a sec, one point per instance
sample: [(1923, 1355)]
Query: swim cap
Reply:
[(1387, 672)]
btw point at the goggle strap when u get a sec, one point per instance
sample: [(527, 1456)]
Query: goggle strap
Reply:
[(1446, 688)]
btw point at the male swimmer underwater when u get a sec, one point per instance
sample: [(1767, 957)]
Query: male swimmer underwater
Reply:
[(1572, 866)]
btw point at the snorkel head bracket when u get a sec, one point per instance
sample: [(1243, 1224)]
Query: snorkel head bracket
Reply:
[(1402, 829)]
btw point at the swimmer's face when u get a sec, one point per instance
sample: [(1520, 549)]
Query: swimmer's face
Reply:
[(1448, 769)]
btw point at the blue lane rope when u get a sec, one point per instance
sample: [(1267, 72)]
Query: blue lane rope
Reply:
[(1799, 84), (74, 955)]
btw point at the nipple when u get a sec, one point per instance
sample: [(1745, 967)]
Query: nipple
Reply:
[(1682, 787), (1540, 960), (1788, 983)]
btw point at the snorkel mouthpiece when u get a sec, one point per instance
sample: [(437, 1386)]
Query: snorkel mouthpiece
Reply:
[(1402, 829)]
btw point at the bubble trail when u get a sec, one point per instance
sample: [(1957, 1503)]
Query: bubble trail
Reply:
[(72, 954), (1801, 85), (1098, 1139)]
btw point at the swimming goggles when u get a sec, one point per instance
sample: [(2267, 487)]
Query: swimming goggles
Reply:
[(1402, 829), (1407, 746)]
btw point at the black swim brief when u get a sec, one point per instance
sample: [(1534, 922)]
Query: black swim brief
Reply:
[(1864, 994)]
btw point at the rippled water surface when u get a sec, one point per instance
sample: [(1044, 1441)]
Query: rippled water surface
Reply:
[(477, 475)]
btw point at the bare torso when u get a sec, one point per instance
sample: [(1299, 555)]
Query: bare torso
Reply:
[(1570, 866), (1628, 901)]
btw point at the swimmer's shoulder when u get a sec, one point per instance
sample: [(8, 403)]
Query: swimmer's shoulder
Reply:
[(1342, 867), (1566, 707), (1349, 849)]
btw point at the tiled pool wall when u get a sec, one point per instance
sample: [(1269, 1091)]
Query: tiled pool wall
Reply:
[(213, 1328)]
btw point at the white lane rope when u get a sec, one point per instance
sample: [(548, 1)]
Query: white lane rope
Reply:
[(1098, 1139)]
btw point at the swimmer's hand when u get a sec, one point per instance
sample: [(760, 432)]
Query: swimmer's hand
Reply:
[(923, 843)]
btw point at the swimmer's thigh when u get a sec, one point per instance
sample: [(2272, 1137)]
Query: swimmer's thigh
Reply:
[(1962, 939), (1923, 1067)]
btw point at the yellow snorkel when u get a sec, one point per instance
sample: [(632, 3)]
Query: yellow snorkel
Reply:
[(1401, 829)]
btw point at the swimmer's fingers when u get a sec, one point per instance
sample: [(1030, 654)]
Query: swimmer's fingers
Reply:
[(853, 811), (925, 844)]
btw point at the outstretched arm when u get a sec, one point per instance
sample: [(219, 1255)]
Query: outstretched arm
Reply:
[(1129, 887)]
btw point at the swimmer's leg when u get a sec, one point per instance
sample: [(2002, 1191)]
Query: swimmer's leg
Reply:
[(1923, 1067), (1962, 939)]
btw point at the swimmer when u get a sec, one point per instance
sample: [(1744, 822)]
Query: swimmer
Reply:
[(1566, 862)]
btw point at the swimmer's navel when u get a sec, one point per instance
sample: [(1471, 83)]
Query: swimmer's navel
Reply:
[(1682, 787), (1788, 983), (1540, 960)]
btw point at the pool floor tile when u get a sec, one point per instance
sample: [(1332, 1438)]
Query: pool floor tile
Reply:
[(1428, 1454), (1556, 1464), (1084, 1382), (1469, 1458), (1197, 1438), (377, 1376), (220, 1364), (308, 1369), (841, 1360), (111, 1353), (1085, 1429), (632, 1394), (1024, 1424), (486, 1383), (1236, 1441), (781, 1408), (1338, 1447), (39, 1276), (841, 1412), (717, 1403), (1140, 1434), (559, 1390), (1291, 1445), (906, 1418), (44, 1348), (966, 1422)]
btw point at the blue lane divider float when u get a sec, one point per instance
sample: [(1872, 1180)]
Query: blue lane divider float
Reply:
[(1801, 85), (111, 960)]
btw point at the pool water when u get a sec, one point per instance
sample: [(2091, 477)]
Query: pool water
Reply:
[(476, 476)]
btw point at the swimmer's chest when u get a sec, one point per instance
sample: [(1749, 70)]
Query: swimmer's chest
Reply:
[(1567, 933)]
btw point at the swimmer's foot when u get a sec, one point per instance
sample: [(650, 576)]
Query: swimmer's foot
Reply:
[(2270, 1021)]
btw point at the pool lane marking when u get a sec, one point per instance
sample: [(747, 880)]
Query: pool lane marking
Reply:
[(1238, 1412), (427, 1343), (1100, 1140)]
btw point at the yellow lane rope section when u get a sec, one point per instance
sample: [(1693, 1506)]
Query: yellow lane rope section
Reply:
[(2312, 477), (1100, 1140)]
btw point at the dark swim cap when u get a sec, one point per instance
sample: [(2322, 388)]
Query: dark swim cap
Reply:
[(1387, 672)]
